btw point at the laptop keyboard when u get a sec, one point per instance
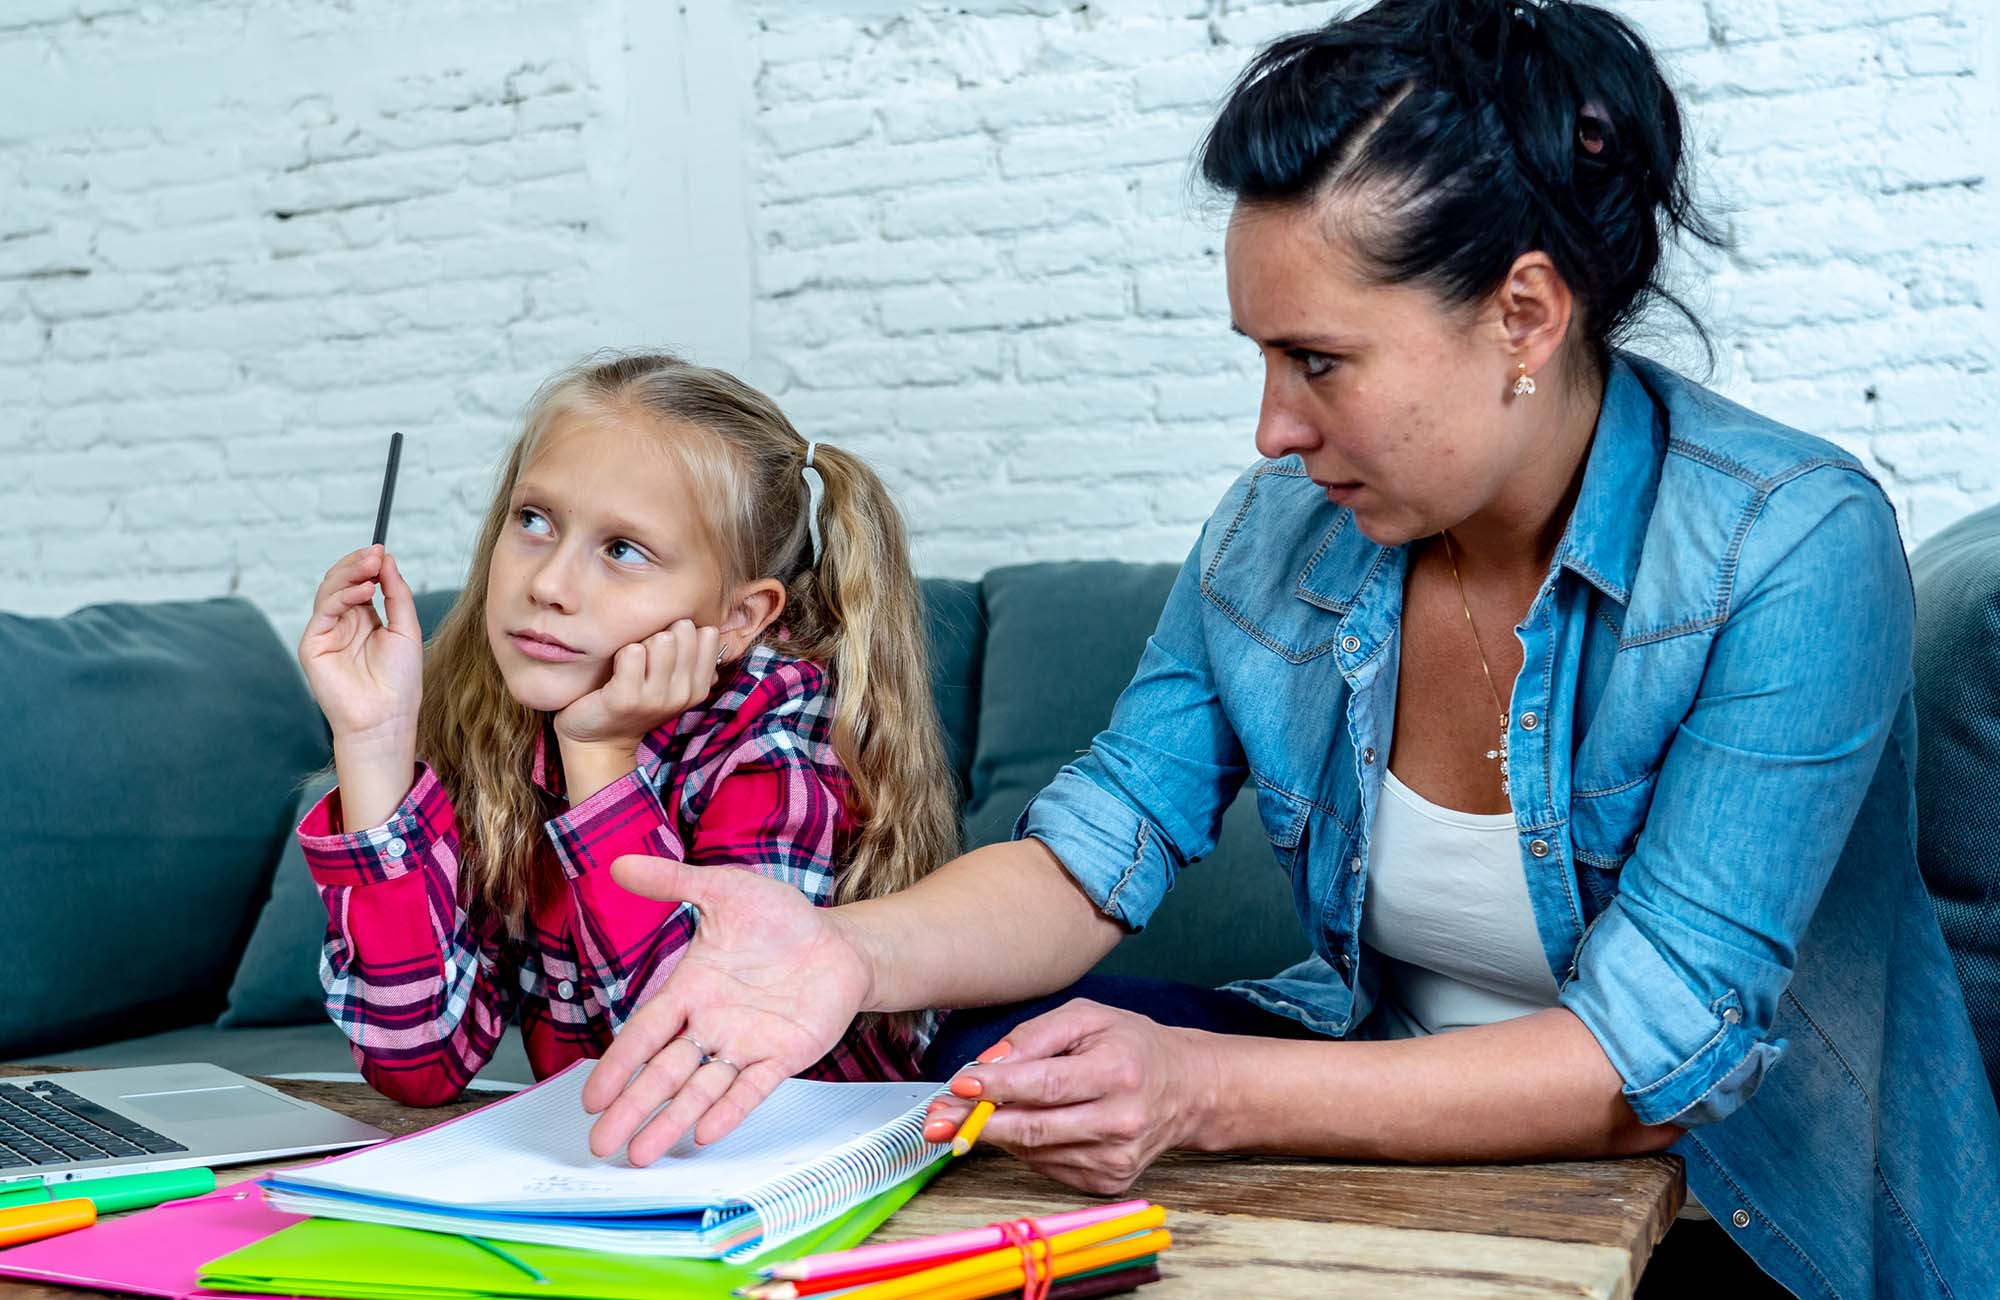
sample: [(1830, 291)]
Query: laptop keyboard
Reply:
[(42, 1123)]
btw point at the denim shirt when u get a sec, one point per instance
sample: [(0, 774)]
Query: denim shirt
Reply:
[(1711, 742)]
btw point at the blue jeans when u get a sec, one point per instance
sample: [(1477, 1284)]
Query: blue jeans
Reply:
[(965, 1034)]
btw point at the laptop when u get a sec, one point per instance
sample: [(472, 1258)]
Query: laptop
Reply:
[(88, 1123)]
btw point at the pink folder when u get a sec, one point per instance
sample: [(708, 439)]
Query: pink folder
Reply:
[(155, 1252)]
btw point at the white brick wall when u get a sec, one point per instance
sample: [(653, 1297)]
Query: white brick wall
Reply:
[(240, 242)]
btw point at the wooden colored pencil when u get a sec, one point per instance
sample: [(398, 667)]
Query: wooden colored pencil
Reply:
[(1109, 1281), (997, 1262), (968, 1132), (998, 1282), (940, 1249)]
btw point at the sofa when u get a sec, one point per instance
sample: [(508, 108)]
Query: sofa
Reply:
[(156, 908), (158, 755)]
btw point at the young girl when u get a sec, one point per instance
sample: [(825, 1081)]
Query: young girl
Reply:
[(668, 643)]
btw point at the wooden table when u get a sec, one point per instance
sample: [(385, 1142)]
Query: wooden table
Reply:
[(1274, 1228)]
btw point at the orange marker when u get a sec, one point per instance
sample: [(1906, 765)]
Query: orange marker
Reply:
[(33, 1222)]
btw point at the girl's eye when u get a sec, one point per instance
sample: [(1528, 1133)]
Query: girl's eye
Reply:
[(637, 556), (1314, 364), (531, 520)]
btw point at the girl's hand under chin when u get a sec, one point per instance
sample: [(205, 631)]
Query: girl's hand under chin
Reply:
[(652, 682)]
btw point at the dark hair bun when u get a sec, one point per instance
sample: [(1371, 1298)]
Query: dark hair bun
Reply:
[(1499, 126)]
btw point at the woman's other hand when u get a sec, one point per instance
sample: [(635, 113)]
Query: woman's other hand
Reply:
[(1088, 1094)]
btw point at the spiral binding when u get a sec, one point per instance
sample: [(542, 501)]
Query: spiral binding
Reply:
[(840, 1180)]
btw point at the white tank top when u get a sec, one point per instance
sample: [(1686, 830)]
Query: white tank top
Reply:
[(1447, 913), (1447, 909)]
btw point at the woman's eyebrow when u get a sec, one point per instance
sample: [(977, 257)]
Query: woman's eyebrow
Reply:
[(1311, 344)]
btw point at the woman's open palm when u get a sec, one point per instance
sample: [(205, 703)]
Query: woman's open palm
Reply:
[(769, 983)]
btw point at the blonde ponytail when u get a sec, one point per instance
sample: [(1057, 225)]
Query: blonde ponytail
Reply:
[(859, 610)]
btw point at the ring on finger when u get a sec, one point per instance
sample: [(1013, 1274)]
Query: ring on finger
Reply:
[(705, 1056), (723, 1060)]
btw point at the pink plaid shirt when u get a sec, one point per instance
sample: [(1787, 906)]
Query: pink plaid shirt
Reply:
[(425, 990)]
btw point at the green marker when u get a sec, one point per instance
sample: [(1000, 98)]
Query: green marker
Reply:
[(110, 1195)]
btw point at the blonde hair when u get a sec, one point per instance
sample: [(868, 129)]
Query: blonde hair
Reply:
[(857, 612)]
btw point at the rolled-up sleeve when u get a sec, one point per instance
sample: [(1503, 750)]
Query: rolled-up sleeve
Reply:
[(1680, 977), (1149, 796)]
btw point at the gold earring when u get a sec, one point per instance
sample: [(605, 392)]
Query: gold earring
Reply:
[(1524, 386)]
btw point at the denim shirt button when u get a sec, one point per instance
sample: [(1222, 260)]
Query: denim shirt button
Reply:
[(1341, 961), (1367, 757), (1354, 863), (1540, 848), (1350, 643), (1529, 722), (1731, 1015), (1741, 1218)]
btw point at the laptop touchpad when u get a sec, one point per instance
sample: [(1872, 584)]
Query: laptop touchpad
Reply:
[(209, 1103)]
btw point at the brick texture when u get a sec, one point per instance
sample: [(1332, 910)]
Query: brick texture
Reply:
[(240, 242)]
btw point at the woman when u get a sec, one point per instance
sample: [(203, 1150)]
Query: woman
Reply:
[(1577, 701)]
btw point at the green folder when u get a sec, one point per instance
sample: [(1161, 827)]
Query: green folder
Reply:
[(343, 1260)]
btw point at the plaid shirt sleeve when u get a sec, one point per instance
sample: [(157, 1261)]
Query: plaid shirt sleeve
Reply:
[(416, 987), (626, 943)]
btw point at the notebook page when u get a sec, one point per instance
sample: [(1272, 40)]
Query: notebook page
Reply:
[(530, 1152)]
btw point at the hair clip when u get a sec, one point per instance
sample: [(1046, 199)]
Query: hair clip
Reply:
[(815, 493)]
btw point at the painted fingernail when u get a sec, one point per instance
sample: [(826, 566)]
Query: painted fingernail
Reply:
[(965, 1086), (998, 1051)]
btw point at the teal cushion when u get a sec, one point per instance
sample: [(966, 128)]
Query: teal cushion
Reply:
[(150, 753), (277, 982), (1062, 641), (958, 637), (1957, 575)]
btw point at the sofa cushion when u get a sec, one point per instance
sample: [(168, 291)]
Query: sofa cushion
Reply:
[(1062, 640), (277, 982), (1957, 575), (958, 639), (151, 752)]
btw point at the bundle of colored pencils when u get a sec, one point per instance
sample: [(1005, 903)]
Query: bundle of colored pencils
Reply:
[(1101, 1250)]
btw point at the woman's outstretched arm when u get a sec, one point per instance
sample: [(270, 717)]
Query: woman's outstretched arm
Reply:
[(770, 982), (1090, 1095)]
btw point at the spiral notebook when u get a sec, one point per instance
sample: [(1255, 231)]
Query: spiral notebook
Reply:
[(521, 1170)]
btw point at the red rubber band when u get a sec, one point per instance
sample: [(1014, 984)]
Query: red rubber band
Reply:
[(1038, 1275)]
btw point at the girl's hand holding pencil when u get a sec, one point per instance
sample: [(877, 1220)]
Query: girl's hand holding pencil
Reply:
[(367, 675)]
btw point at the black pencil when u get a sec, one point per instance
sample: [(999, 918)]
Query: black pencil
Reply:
[(388, 488)]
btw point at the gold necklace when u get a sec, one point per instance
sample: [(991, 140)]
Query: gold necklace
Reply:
[(1500, 753)]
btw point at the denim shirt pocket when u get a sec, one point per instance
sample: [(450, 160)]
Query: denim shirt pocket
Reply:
[(1604, 826), (1315, 848)]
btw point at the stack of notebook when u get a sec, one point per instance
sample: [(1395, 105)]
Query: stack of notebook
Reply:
[(521, 1171)]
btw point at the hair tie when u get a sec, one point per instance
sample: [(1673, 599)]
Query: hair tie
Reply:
[(815, 493)]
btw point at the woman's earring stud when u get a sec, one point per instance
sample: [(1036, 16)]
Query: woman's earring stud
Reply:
[(1525, 385)]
